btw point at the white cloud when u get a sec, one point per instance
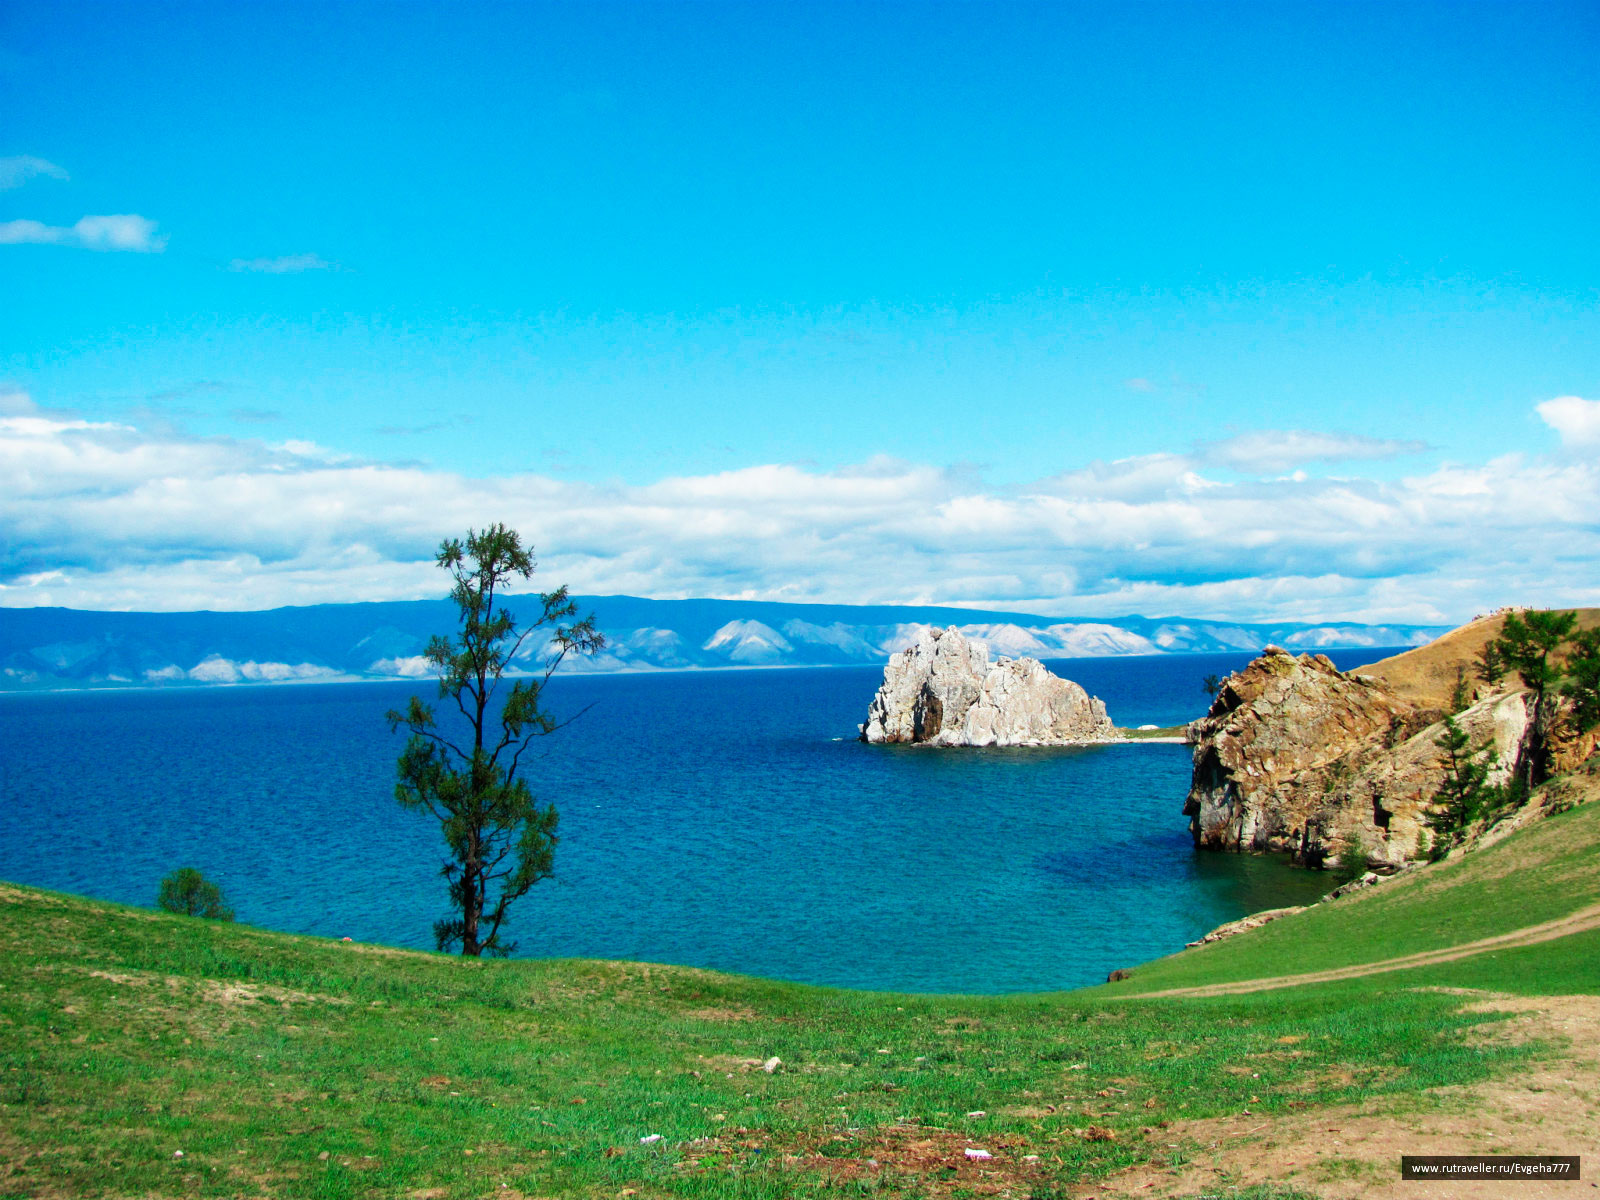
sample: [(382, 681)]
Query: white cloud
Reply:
[(14, 172), (414, 666), (1577, 420), (1261, 452), (287, 264), (15, 402), (1273, 451), (122, 231), (105, 515), (1143, 477)]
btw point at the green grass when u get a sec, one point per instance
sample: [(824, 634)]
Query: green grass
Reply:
[(298, 1067), (1569, 966), (1546, 871)]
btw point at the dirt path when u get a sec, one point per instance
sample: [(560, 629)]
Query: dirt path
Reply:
[(1352, 1152), (1581, 921)]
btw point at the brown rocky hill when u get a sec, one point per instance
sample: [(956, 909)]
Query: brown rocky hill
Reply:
[(1426, 676), (1300, 757)]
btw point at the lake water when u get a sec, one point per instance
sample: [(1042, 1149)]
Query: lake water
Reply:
[(719, 819)]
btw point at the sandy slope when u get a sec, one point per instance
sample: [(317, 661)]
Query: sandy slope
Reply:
[(1426, 675)]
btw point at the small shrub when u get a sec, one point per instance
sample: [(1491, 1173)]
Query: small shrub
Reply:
[(1351, 850), (190, 893)]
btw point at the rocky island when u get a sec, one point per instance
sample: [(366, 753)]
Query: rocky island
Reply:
[(943, 691)]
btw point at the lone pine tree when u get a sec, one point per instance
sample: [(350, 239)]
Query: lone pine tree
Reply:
[(501, 840), (1529, 645)]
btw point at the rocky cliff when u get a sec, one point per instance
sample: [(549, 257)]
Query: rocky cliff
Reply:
[(1298, 756), (943, 691)]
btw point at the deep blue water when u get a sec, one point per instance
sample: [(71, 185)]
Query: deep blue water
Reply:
[(726, 820)]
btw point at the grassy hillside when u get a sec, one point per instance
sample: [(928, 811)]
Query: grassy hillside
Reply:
[(1546, 871), (1427, 675), (291, 1066)]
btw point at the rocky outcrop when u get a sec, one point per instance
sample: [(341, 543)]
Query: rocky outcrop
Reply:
[(1569, 749), (1298, 756), (1263, 753), (943, 691), (1245, 924), (1383, 804)]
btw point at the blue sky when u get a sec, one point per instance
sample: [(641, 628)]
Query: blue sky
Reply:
[(1250, 310)]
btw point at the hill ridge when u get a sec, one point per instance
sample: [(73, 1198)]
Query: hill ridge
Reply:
[(58, 647)]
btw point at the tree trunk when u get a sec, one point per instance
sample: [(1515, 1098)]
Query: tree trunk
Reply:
[(471, 911), (1537, 750)]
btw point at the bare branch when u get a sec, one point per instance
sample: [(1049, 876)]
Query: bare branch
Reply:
[(516, 758), (438, 739)]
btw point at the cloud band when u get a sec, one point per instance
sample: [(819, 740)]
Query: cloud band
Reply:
[(103, 515)]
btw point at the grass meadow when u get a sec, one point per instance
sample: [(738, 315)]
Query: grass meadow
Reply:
[(143, 1054)]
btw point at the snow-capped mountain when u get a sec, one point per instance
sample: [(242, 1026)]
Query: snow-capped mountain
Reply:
[(53, 647)]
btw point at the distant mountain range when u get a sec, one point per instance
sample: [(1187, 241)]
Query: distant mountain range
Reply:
[(62, 648)]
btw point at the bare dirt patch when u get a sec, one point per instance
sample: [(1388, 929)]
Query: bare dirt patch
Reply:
[(1547, 1107), (723, 1014), (728, 1063), (909, 1153), (241, 993), (213, 991), (16, 895)]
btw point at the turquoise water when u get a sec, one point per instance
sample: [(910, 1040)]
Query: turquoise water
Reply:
[(726, 820)]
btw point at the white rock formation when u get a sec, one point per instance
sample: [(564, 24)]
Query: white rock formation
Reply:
[(943, 691)]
